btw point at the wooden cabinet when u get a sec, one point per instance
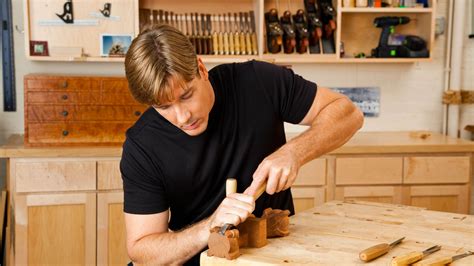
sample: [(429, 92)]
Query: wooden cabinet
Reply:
[(354, 28), (309, 189), (74, 110), (67, 211)]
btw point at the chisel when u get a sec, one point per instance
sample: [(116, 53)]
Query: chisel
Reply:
[(236, 35), (248, 42), (442, 260), (230, 35), (253, 33), (413, 256), (243, 50), (215, 39), (378, 250)]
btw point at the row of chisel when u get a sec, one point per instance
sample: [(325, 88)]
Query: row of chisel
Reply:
[(219, 34)]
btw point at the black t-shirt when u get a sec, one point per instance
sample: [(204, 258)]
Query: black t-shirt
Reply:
[(164, 168)]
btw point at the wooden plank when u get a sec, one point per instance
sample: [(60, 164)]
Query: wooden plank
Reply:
[(108, 175), (335, 232)]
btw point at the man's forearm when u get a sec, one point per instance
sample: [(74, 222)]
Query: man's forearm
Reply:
[(334, 126), (172, 247)]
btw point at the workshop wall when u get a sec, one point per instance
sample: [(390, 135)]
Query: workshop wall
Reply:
[(410, 93)]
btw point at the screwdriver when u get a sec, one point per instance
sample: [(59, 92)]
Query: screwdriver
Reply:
[(413, 256), (442, 260), (377, 250)]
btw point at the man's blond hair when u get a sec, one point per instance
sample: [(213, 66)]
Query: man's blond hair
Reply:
[(156, 57)]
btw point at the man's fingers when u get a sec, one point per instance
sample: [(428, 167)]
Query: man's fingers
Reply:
[(259, 178), (273, 180)]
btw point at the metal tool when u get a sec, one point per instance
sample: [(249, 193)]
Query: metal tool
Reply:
[(378, 250), (215, 37), (442, 260), (413, 256), (230, 187), (253, 33), (248, 43), (302, 33), (225, 35), (243, 49), (274, 31), (197, 36), (220, 35), (236, 35), (230, 35), (289, 35)]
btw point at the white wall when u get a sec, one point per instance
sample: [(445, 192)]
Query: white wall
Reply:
[(410, 93)]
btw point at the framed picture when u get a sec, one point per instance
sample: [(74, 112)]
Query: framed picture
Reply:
[(115, 45), (39, 48)]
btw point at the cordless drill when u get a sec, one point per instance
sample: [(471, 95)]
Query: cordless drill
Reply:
[(384, 50)]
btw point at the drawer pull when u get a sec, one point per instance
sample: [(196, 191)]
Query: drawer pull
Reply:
[(65, 132), (64, 84), (64, 113), (64, 97), (138, 113)]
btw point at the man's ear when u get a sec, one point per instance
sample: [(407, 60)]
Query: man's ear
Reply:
[(202, 69)]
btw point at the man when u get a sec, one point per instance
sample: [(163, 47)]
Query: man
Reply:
[(204, 127)]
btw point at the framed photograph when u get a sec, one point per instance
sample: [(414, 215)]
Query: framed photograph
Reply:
[(115, 45), (39, 48)]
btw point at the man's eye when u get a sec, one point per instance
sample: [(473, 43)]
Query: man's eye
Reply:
[(187, 96), (163, 107)]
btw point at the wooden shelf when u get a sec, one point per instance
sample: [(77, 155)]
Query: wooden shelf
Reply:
[(382, 60), (385, 10), (76, 59), (300, 58)]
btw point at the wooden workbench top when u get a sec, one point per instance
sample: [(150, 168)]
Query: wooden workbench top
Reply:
[(335, 232), (363, 142)]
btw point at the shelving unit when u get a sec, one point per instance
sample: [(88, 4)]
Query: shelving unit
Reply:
[(355, 28)]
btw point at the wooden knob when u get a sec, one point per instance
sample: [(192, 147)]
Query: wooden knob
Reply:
[(138, 113), (65, 132), (64, 113), (230, 186), (64, 97), (64, 84)]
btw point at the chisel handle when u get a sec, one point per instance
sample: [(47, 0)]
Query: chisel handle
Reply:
[(435, 261), (254, 43), (215, 43), (230, 186), (374, 252), (236, 43), (242, 43), (407, 259), (248, 43)]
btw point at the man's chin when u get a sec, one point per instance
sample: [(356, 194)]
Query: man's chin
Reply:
[(197, 131)]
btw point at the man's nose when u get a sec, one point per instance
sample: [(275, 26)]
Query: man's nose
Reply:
[(182, 115)]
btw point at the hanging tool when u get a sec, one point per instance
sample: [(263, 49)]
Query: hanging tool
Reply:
[(243, 49), (248, 44), (413, 256), (302, 34), (236, 35), (274, 31), (226, 35), (378, 250), (198, 34), (221, 35), (215, 37), (442, 260), (210, 47), (253, 33), (205, 49), (229, 34)]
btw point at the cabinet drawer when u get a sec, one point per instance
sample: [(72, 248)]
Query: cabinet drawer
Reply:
[(40, 113), (446, 169), (60, 83), (84, 133), (369, 170), (312, 173), (108, 175), (63, 97), (115, 85), (42, 176)]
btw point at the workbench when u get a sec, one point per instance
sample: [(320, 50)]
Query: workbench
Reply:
[(335, 232)]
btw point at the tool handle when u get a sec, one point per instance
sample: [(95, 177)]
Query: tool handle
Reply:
[(230, 186), (248, 44), (254, 44), (260, 190), (226, 43), (243, 50), (407, 259), (374, 252), (236, 43), (215, 43), (439, 261)]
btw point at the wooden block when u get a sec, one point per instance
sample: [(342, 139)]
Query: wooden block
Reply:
[(256, 231), (224, 246), (278, 222)]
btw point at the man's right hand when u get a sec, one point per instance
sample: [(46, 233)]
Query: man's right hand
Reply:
[(234, 209)]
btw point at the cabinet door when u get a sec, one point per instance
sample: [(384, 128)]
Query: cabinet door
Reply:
[(446, 198), (382, 194), (55, 229), (111, 234), (307, 197)]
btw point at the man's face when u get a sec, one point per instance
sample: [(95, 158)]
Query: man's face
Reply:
[(193, 101)]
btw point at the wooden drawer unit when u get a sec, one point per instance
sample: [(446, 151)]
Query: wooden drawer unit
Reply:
[(54, 175), (436, 169), (312, 174), (108, 175), (368, 170), (68, 110)]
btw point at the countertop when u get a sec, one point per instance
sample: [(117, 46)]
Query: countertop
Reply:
[(363, 142), (335, 232)]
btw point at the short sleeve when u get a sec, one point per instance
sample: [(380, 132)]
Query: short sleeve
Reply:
[(290, 94), (144, 192)]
